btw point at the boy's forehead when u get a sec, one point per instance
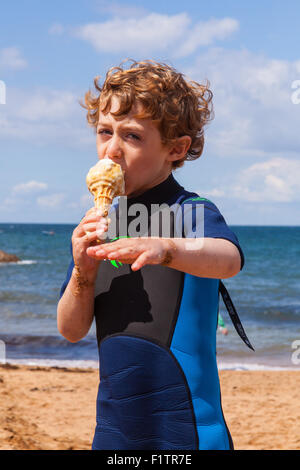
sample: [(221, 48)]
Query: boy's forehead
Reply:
[(115, 105), (124, 119)]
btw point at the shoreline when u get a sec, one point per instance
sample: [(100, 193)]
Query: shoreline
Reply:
[(54, 408), (230, 365)]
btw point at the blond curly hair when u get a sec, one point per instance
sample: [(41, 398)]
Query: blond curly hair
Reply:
[(177, 106)]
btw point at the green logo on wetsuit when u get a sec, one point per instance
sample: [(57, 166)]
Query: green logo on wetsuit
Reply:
[(113, 261)]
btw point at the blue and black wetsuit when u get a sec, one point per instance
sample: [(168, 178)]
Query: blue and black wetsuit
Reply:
[(156, 331)]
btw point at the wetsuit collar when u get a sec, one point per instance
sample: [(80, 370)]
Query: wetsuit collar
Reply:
[(162, 193)]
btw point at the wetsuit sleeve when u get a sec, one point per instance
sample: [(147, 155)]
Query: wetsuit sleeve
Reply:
[(212, 222), (68, 276)]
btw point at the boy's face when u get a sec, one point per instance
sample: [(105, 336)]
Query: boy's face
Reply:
[(136, 145)]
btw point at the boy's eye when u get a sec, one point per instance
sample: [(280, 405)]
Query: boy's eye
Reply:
[(134, 136), (104, 131), (130, 135)]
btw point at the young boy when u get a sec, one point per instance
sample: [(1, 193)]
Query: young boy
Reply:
[(156, 310)]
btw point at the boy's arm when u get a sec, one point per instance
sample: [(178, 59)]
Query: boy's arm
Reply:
[(75, 310), (204, 257)]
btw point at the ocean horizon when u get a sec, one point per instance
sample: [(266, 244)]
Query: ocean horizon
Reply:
[(265, 294), (75, 223)]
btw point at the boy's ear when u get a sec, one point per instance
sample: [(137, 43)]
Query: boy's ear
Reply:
[(179, 148)]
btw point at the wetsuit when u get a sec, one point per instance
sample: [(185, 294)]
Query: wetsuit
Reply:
[(156, 331)]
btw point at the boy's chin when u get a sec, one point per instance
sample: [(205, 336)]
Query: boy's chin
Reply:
[(134, 193), (131, 191)]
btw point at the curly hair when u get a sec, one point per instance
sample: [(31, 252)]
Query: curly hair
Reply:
[(178, 107)]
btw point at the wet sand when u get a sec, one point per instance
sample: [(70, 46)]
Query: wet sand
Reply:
[(47, 408)]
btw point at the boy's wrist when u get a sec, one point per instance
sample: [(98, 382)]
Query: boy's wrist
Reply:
[(81, 281), (170, 252)]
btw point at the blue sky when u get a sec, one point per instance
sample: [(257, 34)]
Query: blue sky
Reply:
[(51, 51)]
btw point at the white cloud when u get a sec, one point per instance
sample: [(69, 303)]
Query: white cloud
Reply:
[(213, 192), (139, 35), (45, 116), (254, 114), (29, 188), (155, 33), (275, 180), (23, 194), (50, 201), (205, 33), (11, 59), (28, 195), (47, 105)]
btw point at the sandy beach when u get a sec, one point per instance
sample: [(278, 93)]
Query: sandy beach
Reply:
[(48, 408)]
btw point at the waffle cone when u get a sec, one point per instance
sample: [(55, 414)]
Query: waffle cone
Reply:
[(103, 199), (105, 181)]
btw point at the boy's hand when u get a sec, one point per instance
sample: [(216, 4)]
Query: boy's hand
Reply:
[(89, 230), (135, 251)]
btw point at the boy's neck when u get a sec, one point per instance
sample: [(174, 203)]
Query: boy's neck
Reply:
[(158, 194), (142, 191)]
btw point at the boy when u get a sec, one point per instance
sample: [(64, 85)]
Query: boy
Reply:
[(156, 312)]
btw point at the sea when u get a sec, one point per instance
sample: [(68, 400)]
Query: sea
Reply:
[(265, 294)]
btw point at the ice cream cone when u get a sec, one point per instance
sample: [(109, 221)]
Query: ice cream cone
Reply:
[(103, 199), (105, 181)]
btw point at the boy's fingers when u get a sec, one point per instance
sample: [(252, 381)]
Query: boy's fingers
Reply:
[(93, 236), (125, 251), (91, 227), (125, 243), (92, 224), (129, 249), (94, 214), (140, 261), (93, 218), (95, 254), (85, 230), (95, 210), (92, 209)]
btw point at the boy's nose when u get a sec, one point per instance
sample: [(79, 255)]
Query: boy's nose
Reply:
[(114, 149)]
